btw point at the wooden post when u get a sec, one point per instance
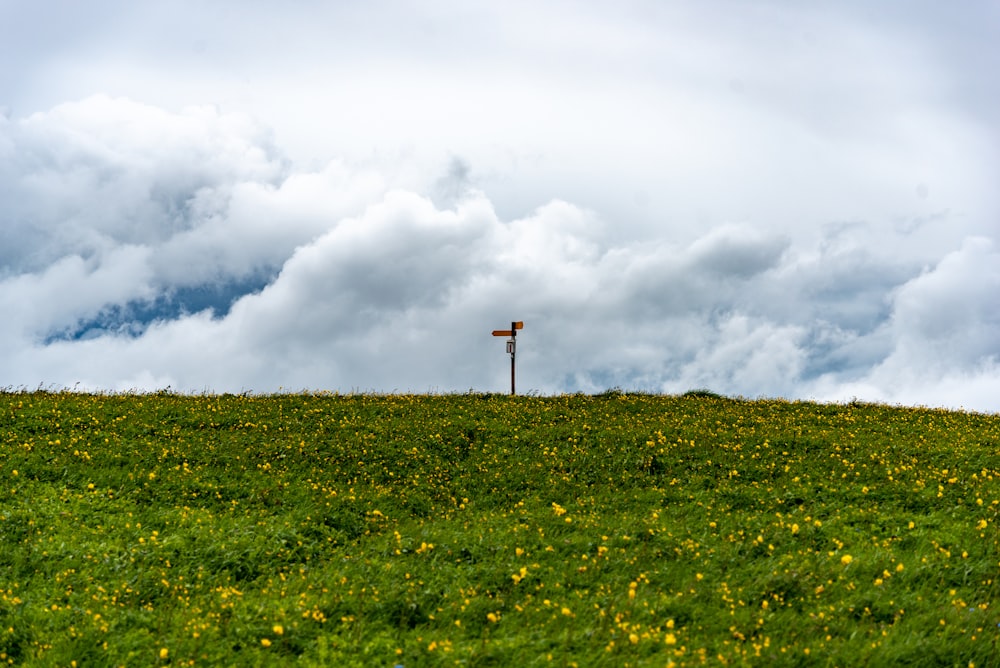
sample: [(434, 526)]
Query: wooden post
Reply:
[(513, 352)]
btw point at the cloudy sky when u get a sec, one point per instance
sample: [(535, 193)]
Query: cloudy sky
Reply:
[(766, 198)]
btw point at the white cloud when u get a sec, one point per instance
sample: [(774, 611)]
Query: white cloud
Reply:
[(92, 174), (737, 252), (950, 315), (944, 337), (252, 225), (756, 358), (70, 289)]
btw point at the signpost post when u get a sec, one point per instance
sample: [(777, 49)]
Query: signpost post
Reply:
[(511, 346)]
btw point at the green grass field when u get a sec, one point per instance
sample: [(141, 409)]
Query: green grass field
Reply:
[(482, 530)]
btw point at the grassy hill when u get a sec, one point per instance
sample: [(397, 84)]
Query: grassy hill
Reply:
[(488, 530)]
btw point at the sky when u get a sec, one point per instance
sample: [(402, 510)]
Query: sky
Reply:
[(766, 199)]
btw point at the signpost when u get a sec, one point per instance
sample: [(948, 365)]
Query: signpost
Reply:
[(511, 346)]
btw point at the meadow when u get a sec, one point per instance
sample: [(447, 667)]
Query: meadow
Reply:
[(610, 530)]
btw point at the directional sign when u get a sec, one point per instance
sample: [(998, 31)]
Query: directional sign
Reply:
[(511, 345)]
